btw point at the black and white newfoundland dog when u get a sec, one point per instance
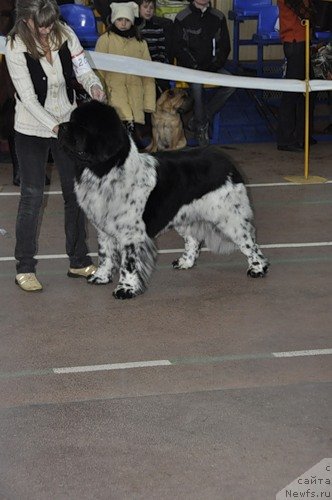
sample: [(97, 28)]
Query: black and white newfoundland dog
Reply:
[(131, 197)]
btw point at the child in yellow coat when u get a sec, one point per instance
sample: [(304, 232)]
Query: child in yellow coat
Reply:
[(130, 95)]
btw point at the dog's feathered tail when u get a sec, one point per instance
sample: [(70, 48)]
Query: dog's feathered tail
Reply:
[(146, 255), (213, 237)]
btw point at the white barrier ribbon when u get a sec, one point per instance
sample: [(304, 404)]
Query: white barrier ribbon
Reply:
[(133, 66)]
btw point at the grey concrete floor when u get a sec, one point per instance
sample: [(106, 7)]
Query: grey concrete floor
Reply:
[(224, 418)]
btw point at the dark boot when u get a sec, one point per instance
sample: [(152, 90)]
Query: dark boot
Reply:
[(202, 134)]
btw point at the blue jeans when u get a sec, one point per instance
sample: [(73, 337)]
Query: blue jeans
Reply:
[(32, 153), (205, 112)]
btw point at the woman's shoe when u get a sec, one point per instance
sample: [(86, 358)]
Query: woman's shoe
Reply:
[(82, 272), (28, 282)]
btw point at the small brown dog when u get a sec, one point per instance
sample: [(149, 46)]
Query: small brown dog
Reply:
[(167, 127)]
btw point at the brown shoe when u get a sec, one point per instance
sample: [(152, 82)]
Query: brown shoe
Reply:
[(82, 272), (28, 282)]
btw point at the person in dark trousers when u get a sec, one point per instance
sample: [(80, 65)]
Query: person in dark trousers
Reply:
[(291, 119), (201, 41), (323, 15), (157, 32), (41, 55)]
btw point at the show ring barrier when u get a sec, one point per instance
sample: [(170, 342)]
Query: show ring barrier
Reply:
[(133, 66)]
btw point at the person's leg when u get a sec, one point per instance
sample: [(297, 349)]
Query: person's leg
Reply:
[(291, 110), (32, 155), (200, 121), (76, 247), (199, 107), (16, 168), (219, 98)]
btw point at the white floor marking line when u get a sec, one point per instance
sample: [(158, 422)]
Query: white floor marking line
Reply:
[(10, 193), (175, 362), (179, 361), (266, 184), (294, 354), (276, 184), (181, 250), (298, 245), (111, 366), (272, 245)]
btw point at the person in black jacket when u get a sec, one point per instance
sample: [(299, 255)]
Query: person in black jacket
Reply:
[(157, 32), (201, 41)]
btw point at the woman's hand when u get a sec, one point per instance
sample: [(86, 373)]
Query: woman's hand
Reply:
[(55, 130), (98, 93)]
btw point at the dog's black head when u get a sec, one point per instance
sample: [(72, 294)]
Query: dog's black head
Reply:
[(95, 138)]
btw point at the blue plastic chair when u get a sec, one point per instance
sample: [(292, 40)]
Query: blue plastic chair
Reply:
[(82, 20), (244, 10), (266, 33), (249, 7), (322, 36)]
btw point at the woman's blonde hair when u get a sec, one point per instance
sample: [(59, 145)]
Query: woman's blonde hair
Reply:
[(43, 13)]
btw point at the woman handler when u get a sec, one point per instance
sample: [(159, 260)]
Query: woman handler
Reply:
[(41, 55)]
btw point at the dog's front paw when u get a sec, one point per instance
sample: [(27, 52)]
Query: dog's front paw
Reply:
[(123, 293), (182, 263), (257, 272), (100, 279)]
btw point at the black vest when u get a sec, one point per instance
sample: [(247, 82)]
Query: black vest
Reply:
[(39, 78)]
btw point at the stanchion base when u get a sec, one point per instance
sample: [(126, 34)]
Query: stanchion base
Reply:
[(311, 179)]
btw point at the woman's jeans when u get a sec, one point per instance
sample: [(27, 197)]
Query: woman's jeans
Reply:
[(32, 153)]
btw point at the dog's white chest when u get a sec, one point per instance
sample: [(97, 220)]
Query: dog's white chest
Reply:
[(116, 201)]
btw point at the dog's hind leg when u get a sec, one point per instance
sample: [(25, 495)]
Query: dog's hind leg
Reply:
[(108, 260), (137, 263), (230, 215), (242, 233), (192, 248)]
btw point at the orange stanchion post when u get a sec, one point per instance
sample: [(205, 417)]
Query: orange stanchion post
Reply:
[(307, 98), (306, 179)]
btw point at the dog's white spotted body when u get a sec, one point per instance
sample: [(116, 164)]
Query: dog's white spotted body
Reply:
[(122, 192), (132, 197)]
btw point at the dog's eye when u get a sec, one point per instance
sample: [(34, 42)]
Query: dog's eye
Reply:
[(171, 93)]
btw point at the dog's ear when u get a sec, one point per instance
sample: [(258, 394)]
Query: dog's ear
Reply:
[(110, 142), (164, 102), (161, 100)]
